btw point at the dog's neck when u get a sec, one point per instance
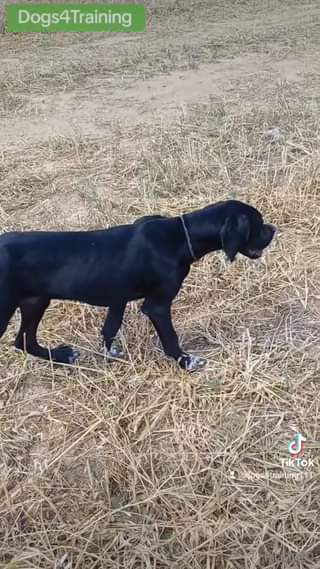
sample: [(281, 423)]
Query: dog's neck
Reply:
[(203, 228)]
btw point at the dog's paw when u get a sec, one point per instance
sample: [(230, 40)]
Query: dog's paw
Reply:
[(114, 352), (191, 363), (65, 355)]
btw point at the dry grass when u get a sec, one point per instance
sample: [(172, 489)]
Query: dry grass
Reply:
[(134, 464)]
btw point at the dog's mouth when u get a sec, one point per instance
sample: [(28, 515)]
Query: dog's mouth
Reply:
[(254, 253), (264, 241)]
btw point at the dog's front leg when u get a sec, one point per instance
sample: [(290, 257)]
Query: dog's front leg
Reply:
[(110, 329), (160, 316)]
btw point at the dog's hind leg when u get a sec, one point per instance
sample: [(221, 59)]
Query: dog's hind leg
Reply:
[(32, 310), (8, 302), (8, 305), (110, 329), (6, 312)]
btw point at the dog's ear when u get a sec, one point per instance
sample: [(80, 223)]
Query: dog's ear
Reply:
[(234, 234)]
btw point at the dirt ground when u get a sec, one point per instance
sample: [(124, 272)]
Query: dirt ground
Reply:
[(134, 464)]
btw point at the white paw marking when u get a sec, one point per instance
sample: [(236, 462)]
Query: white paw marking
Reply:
[(192, 363), (74, 357), (195, 362), (114, 352)]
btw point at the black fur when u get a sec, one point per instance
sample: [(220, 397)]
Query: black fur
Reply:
[(148, 260)]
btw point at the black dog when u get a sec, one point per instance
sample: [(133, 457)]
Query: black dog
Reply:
[(148, 259)]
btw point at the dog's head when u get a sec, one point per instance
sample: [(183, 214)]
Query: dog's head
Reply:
[(244, 231)]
